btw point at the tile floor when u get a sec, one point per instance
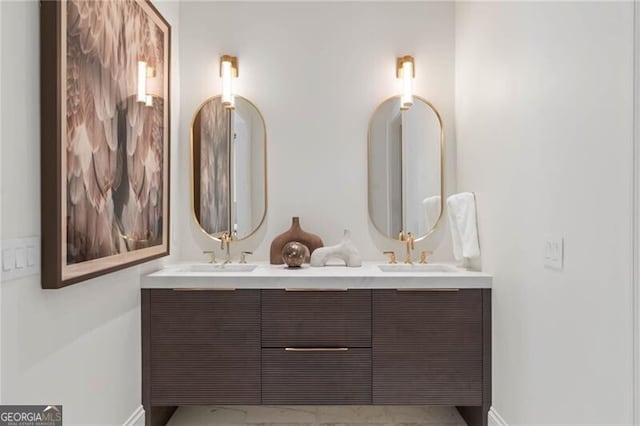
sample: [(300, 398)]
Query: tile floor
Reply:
[(317, 416)]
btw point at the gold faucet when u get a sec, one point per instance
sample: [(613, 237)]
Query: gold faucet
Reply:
[(225, 243), (408, 238), (410, 247)]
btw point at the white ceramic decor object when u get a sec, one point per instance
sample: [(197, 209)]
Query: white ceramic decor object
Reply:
[(345, 250)]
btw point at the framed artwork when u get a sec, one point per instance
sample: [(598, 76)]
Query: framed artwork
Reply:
[(105, 72)]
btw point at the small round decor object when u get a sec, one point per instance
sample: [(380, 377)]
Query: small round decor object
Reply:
[(294, 254)]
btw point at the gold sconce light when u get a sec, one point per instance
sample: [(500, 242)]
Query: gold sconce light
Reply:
[(228, 71), (145, 72), (406, 71)]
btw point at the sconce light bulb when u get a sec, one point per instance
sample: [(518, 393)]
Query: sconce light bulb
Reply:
[(227, 84), (149, 101), (142, 81), (406, 99)]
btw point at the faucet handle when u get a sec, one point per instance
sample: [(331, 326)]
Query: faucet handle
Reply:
[(243, 256), (212, 254), (424, 256), (392, 256), (401, 236)]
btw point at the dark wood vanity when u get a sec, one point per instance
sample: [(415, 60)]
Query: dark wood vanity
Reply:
[(314, 347)]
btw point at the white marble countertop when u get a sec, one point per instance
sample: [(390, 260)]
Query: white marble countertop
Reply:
[(265, 276)]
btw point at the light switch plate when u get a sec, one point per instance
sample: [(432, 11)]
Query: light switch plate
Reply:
[(20, 258), (554, 252), (8, 258), (31, 255)]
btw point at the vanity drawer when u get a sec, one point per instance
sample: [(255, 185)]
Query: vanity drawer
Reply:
[(204, 346), (428, 347), (338, 376), (316, 318)]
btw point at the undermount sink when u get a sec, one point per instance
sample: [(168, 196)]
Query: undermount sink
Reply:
[(211, 267), (416, 268)]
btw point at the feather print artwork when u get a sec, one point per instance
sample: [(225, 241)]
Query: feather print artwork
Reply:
[(114, 144)]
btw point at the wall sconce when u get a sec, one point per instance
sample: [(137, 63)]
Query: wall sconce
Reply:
[(228, 71), (144, 72), (406, 71), (142, 81)]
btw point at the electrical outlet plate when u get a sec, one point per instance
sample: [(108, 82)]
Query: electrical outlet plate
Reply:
[(554, 252)]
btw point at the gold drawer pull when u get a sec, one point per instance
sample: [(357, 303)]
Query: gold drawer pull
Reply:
[(205, 289), (316, 289), (316, 349), (427, 289)]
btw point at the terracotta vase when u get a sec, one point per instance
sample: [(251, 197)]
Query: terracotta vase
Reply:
[(295, 233)]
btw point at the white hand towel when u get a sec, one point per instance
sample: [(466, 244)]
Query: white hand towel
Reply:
[(464, 228), (431, 208)]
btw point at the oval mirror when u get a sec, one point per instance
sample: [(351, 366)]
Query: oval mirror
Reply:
[(406, 184), (228, 153)]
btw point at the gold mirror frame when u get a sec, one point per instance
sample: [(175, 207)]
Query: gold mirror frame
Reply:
[(442, 163), (216, 237)]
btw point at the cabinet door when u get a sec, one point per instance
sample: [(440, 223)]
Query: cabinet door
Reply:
[(427, 347), (205, 347)]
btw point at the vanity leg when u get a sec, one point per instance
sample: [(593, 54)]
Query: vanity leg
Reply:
[(158, 416), (475, 416)]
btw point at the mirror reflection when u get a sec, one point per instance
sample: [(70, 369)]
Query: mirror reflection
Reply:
[(405, 168), (229, 169)]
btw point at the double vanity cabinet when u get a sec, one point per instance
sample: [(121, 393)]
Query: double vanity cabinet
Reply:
[(325, 336)]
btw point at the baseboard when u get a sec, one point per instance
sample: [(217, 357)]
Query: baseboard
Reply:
[(496, 419), (136, 419)]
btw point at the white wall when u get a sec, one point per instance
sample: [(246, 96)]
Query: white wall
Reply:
[(636, 310), (317, 71), (544, 112), (1, 198), (79, 346)]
